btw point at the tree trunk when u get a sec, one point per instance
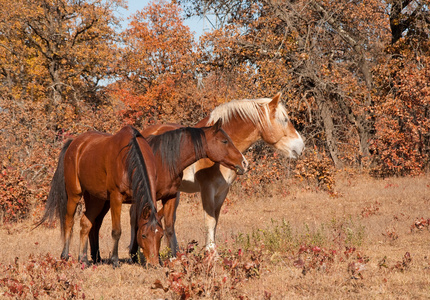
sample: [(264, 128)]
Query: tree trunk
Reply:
[(363, 122), (326, 116), (56, 82)]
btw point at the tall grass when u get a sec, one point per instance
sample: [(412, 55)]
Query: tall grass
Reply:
[(281, 236)]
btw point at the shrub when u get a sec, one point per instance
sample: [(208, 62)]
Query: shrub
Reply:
[(15, 197), (317, 167), (41, 276)]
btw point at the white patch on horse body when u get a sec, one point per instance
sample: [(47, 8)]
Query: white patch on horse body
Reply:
[(228, 175), (211, 246), (189, 184)]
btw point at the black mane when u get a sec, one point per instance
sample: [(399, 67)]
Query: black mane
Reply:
[(139, 180), (170, 144)]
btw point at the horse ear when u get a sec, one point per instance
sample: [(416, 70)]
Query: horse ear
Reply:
[(217, 126), (275, 100)]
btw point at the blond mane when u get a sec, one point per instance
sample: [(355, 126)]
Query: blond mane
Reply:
[(255, 110)]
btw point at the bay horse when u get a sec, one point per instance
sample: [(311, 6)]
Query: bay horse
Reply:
[(107, 170), (174, 151), (246, 121)]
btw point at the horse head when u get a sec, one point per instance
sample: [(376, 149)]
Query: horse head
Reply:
[(149, 234), (277, 130), (221, 149)]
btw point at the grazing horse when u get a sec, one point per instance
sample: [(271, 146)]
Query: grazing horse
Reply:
[(107, 170), (246, 122), (174, 151)]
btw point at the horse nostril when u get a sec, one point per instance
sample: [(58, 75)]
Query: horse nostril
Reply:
[(295, 154), (239, 170), (245, 165)]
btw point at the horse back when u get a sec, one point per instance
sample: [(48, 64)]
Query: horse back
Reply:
[(159, 129), (95, 163)]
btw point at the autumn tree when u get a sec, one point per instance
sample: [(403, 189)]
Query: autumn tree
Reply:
[(53, 56), (402, 144), (325, 53), (157, 60), (59, 48), (320, 51)]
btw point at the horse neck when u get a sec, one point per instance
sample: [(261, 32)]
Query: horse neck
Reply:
[(243, 133), (187, 155)]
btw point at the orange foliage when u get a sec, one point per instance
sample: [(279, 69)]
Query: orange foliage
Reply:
[(59, 48), (403, 118), (157, 59)]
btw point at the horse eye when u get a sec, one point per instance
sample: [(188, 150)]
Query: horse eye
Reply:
[(224, 141), (143, 236)]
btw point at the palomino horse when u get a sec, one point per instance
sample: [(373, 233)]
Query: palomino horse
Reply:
[(174, 151), (246, 122), (107, 170)]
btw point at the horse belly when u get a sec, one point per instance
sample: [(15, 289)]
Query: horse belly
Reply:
[(94, 186), (92, 177)]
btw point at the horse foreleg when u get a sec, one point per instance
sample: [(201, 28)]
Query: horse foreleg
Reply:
[(133, 247), (169, 211), (72, 202), (115, 209), (212, 206), (95, 231)]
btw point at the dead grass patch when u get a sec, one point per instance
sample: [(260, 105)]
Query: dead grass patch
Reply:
[(363, 243)]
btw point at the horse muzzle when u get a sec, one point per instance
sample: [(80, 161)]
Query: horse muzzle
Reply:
[(240, 170)]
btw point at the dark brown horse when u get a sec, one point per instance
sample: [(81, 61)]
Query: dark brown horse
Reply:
[(107, 170), (174, 151), (246, 122)]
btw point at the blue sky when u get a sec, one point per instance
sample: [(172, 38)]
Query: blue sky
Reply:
[(196, 24)]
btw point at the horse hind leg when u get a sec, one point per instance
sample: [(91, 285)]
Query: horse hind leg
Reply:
[(86, 225), (95, 232), (116, 200), (72, 202), (93, 208)]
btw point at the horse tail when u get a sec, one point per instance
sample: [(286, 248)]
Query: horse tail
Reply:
[(139, 179), (56, 205)]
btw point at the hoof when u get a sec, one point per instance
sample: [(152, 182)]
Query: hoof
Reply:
[(84, 260), (96, 258), (115, 263), (134, 258)]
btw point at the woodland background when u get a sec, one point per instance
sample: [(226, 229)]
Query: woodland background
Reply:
[(355, 80), (354, 77)]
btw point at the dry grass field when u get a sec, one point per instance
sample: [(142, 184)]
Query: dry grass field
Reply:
[(368, 242)]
